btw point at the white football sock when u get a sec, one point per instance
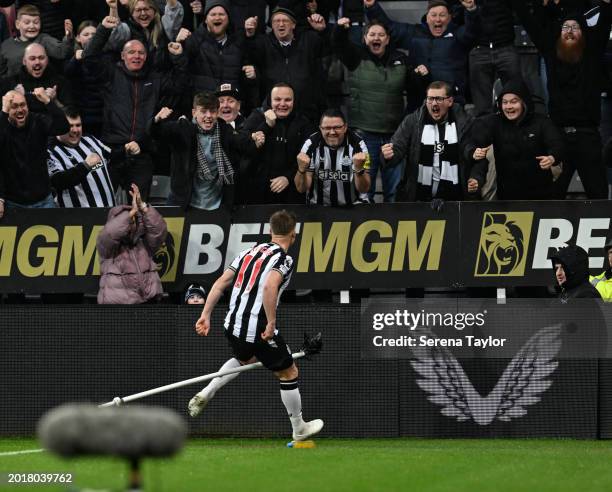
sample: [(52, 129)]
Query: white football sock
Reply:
[(217, 383), (290, 394)]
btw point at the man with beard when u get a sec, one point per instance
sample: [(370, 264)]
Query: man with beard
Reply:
[(333, 164), (126, 245), (24, 182), (430, 140), (36, 72), (573, 53)]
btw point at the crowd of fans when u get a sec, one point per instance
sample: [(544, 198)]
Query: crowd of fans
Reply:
[(298, 101)]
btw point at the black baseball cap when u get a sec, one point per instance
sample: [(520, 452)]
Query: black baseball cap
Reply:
[(228, 90)]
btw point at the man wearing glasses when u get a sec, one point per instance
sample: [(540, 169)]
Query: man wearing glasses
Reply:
[(332, 164), (430, 140), (573, 54)]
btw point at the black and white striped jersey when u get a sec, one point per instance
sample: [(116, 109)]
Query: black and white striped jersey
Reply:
[(95, 189), (332, 170), (246, 318)]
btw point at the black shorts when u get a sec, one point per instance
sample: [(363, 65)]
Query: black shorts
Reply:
[(274, 354)]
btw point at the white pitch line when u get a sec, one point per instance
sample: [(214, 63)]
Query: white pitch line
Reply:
[(27, 451)]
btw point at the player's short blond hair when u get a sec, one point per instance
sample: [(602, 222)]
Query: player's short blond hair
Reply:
[(282, 223)]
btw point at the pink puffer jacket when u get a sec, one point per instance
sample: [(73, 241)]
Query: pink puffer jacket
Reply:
[(128, 274)]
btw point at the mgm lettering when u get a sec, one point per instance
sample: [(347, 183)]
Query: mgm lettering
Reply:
[(388, 245)]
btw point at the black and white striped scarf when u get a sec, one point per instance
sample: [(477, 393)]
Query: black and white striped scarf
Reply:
[(439, 147), (224, 166)]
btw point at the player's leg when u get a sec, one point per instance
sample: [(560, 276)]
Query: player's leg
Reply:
[(292, 399), (243, 354), (276, 356)]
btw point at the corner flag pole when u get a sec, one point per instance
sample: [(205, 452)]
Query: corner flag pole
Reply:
[(117, 401), (312, 346)]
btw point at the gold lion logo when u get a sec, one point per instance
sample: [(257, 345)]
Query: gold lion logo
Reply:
[(165, 256), (503, 244)]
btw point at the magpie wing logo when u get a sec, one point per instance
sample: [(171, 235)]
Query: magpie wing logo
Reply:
[(522, 384)]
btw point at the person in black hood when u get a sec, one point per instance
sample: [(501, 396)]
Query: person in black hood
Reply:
[(571, 267), (573, 52), (527, 146)]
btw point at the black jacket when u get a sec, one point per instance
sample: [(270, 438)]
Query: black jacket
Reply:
[(181, 136), (278, 157), (573, 88), (241, 10), (87, 88), (211, 65), (48, 80), (298, 64), (407, 151), (516, 145), (575, 263), (496, 23), (24, 178), (131, 99)]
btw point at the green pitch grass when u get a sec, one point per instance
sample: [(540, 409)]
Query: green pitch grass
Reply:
[(253, 465)]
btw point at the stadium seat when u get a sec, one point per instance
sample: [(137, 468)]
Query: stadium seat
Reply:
[(160, 188)]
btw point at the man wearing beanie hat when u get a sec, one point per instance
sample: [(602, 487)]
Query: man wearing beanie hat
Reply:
[(215, 54), (435, 44), (290, 56), (573, 52)]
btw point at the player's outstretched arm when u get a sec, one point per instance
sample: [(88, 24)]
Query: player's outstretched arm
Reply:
[(223, 282)]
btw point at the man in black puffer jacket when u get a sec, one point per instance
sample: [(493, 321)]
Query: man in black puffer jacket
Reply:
[(132, 96), (527, 147), (571, 267)]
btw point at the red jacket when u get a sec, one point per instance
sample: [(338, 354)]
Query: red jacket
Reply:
[(128, 274)]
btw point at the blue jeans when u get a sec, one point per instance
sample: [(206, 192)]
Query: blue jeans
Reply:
[(46, 203), (390, 176)]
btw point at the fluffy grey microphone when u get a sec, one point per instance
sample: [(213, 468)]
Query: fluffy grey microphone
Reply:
[(132, 432)]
